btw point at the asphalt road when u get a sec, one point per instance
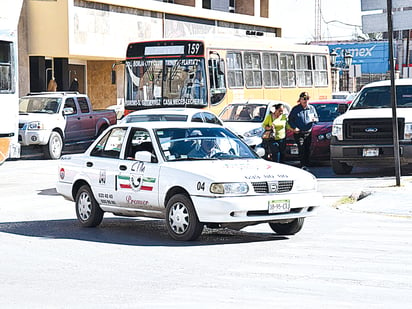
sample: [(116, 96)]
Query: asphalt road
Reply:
[(341, 259)]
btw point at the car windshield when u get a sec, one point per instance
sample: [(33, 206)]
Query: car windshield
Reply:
[(155, 117), (244, 113), (380, 97), (327, 112), (39, 105), (201, 144)]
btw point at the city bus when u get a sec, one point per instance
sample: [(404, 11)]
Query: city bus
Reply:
[(9, 96), (210, 72)]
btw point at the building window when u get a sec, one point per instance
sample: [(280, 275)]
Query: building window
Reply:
[(234, 69), (320, 71), (287, 70), (253, 70), (304, 71), (270, 70), (6, 76)]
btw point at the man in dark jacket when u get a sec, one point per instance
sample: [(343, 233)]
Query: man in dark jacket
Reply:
[(301, 119)]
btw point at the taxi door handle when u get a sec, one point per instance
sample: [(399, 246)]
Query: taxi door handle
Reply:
[(122, 167), (89, 164)]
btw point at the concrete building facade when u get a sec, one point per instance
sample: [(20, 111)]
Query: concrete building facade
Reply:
[(79, 39)]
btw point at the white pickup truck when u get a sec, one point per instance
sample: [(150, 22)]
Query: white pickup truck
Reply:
[(51, 120), (363, 135)]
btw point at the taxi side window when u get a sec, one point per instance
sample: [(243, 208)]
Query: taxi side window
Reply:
[(110, 145), (139, 140)]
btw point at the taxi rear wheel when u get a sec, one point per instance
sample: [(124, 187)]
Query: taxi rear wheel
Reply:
[(181, 219), (88, 210), (290, 228)]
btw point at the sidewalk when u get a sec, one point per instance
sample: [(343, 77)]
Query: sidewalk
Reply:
[(385, 200)]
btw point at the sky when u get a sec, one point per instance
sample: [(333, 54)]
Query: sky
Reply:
[(339, 19)]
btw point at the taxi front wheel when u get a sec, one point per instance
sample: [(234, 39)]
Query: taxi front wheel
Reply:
[(88, 210), (290, 228), (181, 219)]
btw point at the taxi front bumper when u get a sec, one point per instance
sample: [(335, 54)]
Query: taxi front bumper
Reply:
[(255, 208)]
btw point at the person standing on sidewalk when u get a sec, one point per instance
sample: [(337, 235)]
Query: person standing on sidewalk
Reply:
[(301, 119)]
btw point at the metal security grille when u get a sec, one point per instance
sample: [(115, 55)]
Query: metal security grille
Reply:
[(371, 129), (273, 186)]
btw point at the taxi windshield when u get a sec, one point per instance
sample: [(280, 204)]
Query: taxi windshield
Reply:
[(201, 144)]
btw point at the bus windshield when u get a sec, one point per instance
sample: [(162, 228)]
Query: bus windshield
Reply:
[(166, 82)]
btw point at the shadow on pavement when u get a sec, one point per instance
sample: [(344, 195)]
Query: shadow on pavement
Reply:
[(132, 232)]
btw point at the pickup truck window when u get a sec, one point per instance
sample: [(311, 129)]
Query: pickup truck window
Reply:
[(84, 106), (380, 97), (70, 103), (110, 144)]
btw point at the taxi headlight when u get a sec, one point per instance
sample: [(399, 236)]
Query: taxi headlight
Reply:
[(34, 125), (254, 132), (328, 135), (337, 131), (229, 188), (308, 183), (321, 137)]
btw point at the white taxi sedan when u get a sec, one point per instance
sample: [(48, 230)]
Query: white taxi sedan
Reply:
[(190, 174)]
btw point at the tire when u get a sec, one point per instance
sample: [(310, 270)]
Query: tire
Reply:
[(340, 168), (88, 211), (290, 228), (181, 219), (53, 149)]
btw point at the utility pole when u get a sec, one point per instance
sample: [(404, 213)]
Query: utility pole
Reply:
[(318, 18)]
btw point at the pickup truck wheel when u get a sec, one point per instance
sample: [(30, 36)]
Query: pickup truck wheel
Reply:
[(181, 219), (290, 228), (88, 210), (340, 168), (53, 149)]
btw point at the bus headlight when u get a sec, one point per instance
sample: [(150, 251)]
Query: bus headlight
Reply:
[(34, 125), (337, 131), (229, 188)]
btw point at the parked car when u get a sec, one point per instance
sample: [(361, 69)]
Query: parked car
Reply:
[(51, 120), (162, 170), (245, 118), (321, 132), (172, 114)]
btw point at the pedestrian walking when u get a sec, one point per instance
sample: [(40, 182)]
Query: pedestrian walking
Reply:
[(274, 137), (301, 119)]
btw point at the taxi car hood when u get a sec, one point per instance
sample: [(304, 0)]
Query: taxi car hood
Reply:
[(240, 170)]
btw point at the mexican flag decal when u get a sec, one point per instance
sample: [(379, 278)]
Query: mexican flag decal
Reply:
[(136, 181)]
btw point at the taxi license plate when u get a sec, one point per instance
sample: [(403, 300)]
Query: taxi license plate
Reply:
[(370, 152), (294, 150), (278, 206)]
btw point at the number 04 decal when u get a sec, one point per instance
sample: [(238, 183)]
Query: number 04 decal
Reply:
[(201, 186)]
